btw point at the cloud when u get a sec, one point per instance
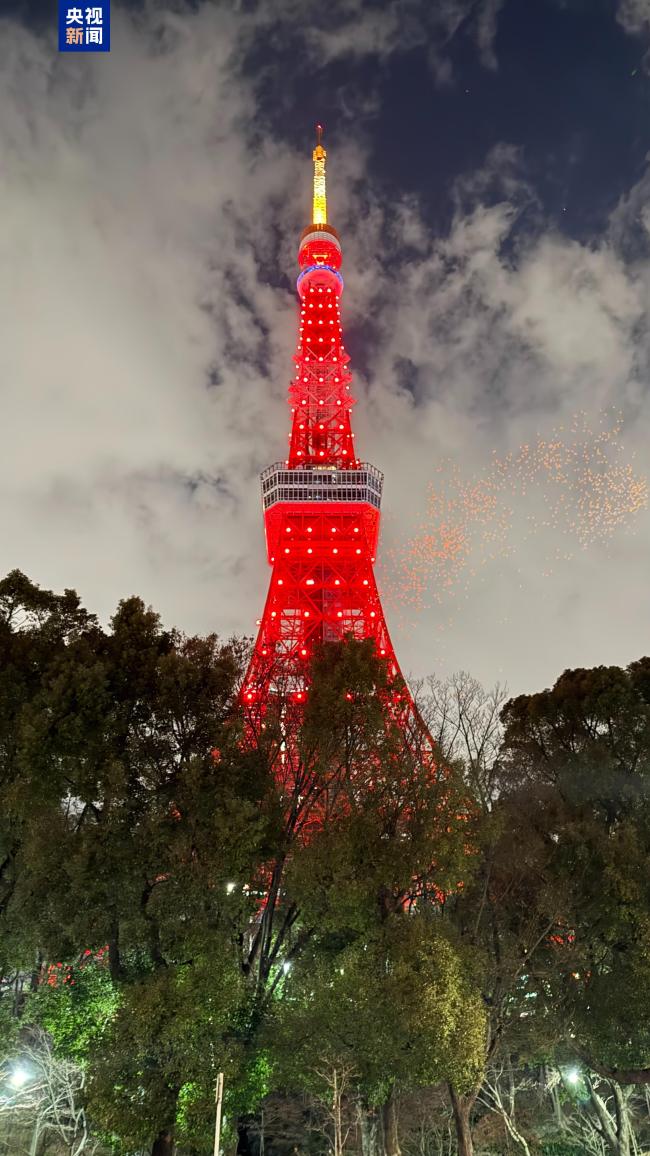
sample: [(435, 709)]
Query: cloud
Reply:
[(135, 220), (634, 15), (147, 250), (486, 31), (546, 322), (357, 30), (489, 339)]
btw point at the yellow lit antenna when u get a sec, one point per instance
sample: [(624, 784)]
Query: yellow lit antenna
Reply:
[(319, 216)]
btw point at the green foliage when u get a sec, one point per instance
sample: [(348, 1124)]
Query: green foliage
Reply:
[(589, 737), (9, 1029), (166, 1038), (427, 918), (394, 1007), (130, 805), (380, 989), (580, 753), (76, 1010)]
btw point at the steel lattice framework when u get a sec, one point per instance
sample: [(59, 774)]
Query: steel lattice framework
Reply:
[(321, 505)]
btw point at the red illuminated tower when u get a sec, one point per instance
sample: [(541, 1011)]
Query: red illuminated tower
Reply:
[(321, 505)]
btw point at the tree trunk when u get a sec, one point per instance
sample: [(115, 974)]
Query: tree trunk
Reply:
[(370, 1132), (336, 1114), (462, 1109), (623, 1123), (616, 1132), (114, 960), (558, 1114), (35, 1141), (390, 1123), (163, 1145), (515, 1134)]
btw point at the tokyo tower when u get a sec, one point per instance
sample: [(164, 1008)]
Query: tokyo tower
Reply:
[(321, 505)]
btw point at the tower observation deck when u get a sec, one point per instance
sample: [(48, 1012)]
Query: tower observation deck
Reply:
[(322, 504)]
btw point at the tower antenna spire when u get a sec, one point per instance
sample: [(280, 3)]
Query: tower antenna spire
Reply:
[(319, 212)]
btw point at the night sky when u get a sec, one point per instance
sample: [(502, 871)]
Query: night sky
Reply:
[(488, 174)]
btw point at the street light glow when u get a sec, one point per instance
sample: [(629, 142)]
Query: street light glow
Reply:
[(18, 1076), (573, 1075)]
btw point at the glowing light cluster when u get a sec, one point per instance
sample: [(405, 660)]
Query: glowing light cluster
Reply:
[(569, 491)]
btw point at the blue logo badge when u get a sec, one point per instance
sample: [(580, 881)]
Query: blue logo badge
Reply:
[(85, 29)]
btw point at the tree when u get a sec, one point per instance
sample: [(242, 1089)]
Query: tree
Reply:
[(49, 1099), (380, 989), (499, 1094), (582, 752), (392, 1009), (304, 895), (35, 628), (131, 808), (146, 821), (594, 1117), (334, 1082), (464, 720), (333, 753), (512, 900)]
